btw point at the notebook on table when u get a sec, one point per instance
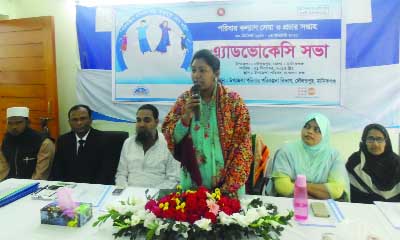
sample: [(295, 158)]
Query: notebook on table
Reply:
[(391, 211), (335, 216), (9, 194)]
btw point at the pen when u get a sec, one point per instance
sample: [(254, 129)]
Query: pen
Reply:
[(53, 193), (39, 189)]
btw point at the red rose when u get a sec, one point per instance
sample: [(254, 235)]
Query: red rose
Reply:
[(193, 218), (150, 205), (180, 216), (211, 216), (227, 210), (157, 211), (191, 203), (235, 205), (168, 213)]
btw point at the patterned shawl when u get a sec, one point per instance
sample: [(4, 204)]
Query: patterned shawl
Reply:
[(234, 132)]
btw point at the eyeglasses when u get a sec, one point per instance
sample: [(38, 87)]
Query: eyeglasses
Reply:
[(371, 139)]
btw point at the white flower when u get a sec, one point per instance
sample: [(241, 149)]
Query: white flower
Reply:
[(252, 215), (141, 213), (160, 227), (128, 209), (182, 232), (244, 202), (262, 211), (135, 220), (204, 224), (175, 227), (122, 209), (184, 235), (243, 220), (149, 219), (225, 219)]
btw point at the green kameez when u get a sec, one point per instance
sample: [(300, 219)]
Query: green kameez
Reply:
[(206, 141)]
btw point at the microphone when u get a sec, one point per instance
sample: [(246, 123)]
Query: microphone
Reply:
[(196, 95)]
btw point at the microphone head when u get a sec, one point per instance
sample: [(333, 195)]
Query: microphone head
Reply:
[(196, 95), (196, 87), (196, 90)]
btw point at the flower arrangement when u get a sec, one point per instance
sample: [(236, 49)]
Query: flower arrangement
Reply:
[(196, 214)]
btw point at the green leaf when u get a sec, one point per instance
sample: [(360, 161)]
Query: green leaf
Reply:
[(150, 234)]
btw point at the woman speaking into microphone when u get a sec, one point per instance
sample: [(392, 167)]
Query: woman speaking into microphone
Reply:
[(208, 131)]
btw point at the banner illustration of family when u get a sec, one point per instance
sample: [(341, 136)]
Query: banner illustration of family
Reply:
[(163, 44), (143, 21)]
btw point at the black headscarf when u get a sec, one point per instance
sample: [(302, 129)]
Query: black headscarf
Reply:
[(384, 169)]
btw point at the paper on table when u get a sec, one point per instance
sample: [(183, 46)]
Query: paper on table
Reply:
[(336, 216), (48, 192), (391, 211), (8, 187), (91, 193), (130, 192), (360, 229)]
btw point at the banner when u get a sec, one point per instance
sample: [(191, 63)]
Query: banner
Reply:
[(369, 91), (282, 53)]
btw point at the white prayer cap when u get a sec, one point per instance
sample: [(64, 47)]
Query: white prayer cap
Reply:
[(17, 112)]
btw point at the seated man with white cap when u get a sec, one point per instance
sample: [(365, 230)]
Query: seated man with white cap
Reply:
[(25, 153)]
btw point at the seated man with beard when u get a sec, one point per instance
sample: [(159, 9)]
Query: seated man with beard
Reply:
[(24, 153), (145, 159)]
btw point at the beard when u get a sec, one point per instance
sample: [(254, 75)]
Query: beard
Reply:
[(143, 136)]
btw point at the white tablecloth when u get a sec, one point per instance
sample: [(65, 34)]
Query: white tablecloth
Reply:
[(21, 220)]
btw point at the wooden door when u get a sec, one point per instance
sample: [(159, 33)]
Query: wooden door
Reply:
[(28, 71)]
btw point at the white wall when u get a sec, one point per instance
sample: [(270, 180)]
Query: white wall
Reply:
[(345, 142), (6, 8)]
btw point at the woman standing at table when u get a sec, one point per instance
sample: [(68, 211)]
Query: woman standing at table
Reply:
[(313, 157), (374, 170), (210, 134)]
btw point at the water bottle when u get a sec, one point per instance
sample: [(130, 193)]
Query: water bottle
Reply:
[(300, 199)]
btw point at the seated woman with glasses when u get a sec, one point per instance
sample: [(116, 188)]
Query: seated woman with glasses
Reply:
[(314, 157), (374, 170)]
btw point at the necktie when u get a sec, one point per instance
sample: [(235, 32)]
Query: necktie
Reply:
[(80, 147)]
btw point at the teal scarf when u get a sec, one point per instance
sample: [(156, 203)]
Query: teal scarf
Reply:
[(317, 162)]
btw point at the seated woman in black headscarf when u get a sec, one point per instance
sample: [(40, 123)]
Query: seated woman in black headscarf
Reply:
[(374, 170)]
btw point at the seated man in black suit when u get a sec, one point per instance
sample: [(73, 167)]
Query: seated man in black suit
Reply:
[(82, 153)]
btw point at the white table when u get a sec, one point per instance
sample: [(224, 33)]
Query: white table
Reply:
[(21, 220)]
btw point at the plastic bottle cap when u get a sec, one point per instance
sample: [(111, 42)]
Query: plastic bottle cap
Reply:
[(301, 181)]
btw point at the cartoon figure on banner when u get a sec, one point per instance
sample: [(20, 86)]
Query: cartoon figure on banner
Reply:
[(184, 42), (164, 41), (163, 33), (142, 37), (124, 44)]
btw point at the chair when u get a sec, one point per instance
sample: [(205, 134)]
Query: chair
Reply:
[(269, 183), (115, 141), (257, 177)]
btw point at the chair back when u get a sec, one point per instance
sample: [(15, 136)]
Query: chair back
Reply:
[(257, 178), (269, 184), (115, 141)]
